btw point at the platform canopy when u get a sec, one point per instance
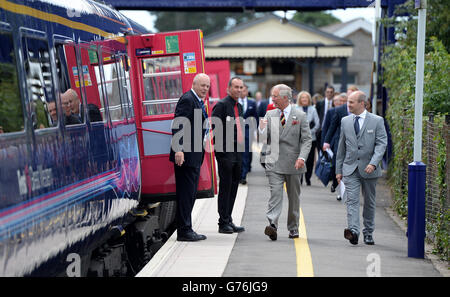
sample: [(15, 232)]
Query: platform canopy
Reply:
[(242, 5)]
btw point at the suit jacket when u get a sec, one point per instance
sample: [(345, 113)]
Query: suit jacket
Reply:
[(252, 115), (262, 108), (224, 111), (334, 129), (188, 107), (357, 151), (283, 146), (326, 127)]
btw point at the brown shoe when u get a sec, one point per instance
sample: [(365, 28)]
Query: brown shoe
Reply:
[(271, 231), (293, 233)]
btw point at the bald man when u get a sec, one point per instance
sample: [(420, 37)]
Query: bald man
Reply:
[(66, 98), (187, 154)]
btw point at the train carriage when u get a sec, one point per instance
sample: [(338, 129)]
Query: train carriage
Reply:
[(72, 155)]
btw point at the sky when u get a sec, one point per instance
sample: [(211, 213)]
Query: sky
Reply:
[(146, 19)]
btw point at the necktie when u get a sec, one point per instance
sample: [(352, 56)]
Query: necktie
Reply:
[(356, 125), (282, 119), (203, 109), (240, 138)]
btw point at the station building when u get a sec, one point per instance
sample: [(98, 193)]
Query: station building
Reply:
[(273, 50)]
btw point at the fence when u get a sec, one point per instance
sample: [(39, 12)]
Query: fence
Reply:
[(435, 153)]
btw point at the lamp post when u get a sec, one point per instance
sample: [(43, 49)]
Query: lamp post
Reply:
[(417, 169)]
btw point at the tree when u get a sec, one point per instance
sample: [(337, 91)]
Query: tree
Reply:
[(208, 22), (315, 18)]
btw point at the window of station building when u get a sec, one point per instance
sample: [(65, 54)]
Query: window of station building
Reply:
[(39, 81), (162, 84), (11, 109), (281, 66), (337, 78), (69, 83)]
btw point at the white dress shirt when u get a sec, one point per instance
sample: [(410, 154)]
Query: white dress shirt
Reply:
[(286, 112), (243, 102)]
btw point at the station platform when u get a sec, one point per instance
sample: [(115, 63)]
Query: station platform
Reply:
[(321, 250)]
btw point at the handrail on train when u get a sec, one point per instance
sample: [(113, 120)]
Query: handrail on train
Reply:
[(155, 131)]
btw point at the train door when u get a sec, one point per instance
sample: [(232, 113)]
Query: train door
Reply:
[(163, 66)]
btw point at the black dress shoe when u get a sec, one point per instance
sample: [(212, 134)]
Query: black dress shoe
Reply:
[(351, 236), (191, 236), (271, 231), (338, 198), (243, 182), (237, 229), (227, 229), (368, 239), (293, 233), (333, 189)]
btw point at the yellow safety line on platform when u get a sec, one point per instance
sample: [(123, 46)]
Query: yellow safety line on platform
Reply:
[(302, 251), (304, 260)]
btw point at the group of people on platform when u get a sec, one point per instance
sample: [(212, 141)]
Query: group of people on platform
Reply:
[(290, 133)]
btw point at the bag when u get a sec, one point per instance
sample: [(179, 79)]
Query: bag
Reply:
[(323, 168)]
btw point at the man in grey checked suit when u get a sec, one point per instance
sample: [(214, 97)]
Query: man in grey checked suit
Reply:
[(287, 141), (361, 147)]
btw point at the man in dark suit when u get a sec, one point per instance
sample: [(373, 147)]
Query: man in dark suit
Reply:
[(251, 119), (187, 153), (331, 130), (322, 107), (228, 112)]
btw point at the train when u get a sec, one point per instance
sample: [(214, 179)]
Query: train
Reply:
[(86, 103)]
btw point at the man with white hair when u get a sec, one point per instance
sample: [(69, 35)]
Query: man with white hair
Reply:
[(287, 141)]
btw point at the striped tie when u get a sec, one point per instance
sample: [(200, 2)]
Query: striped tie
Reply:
[(282, 119)]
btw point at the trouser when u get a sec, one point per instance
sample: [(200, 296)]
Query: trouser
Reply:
[(275, 205), (353, 184), (310, 162), (229, 175), (186, 191)]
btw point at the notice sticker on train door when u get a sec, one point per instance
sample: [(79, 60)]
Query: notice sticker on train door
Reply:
[(75, 76), (86, 76), (189, 63)]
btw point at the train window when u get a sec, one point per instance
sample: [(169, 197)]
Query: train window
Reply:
[(112, 89), (162, 83), (11, 109), (92, 86), (124, 77), (69, 83), (39, 82)]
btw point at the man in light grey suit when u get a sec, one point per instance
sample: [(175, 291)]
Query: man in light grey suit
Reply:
[(286, 144), (362, 144)]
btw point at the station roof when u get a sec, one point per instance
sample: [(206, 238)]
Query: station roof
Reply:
[(273, 37), (241, 5)]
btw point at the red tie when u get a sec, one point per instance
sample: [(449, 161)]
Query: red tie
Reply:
[(240, 139)]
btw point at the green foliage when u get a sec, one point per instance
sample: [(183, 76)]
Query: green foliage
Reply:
[(315, 18), (11, 114), (208, 22), (399, 77)]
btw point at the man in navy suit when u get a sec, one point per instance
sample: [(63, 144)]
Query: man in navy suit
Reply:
[(251, 119), (187, 153), (331, 129)]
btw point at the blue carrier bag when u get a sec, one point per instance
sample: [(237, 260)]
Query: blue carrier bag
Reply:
[(323, 168)]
